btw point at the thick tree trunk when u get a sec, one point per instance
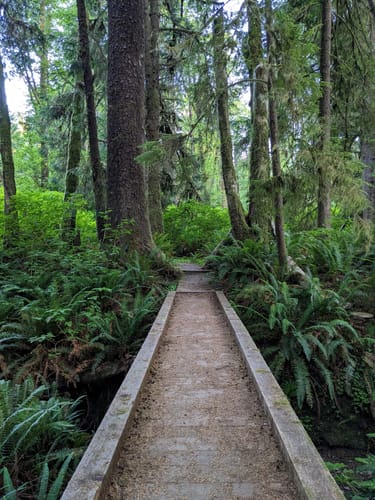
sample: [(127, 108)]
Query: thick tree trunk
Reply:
[(253, 50), (259, 171), (153, 112), (9, 183), (259, 155), (127, 200), (98, 173), (275, 148), (324, 177), (239, 226), (73, 161), (43, 87), (368, 158)]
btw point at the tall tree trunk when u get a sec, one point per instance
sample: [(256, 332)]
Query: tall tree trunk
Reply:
[(367, 136), (153, 112), (9, 183), (73, 161), (127, 200), (368, 158), (275, 148), (239, 226), (98, 173), (259, 156), (253, 50), (324, 176), (43, 87)]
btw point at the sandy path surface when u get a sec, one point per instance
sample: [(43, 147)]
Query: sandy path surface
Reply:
[(199, 432)]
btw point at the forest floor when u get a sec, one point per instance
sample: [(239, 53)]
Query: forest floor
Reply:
[(200, 431)]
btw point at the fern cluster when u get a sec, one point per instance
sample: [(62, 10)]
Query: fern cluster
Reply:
[(68, 316), (39, 438), (306, 333), (64, 312)]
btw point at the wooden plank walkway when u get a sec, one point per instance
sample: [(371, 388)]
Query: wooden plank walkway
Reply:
[(199, 431), (199, 416)]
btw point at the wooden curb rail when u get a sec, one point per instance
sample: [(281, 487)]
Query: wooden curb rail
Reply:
[(312, 479), (90, 479), (93, 474)]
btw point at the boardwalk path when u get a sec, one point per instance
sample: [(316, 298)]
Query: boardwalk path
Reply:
[(199, 431)]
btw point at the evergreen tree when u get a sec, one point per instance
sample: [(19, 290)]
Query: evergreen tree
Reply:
[(239, 226), (153, 112), (127, 200), (7, 161), (324, 175), (97, 170)]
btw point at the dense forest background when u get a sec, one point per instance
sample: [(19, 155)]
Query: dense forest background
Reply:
[(238, 134)]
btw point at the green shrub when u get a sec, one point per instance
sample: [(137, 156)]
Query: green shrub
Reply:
[(40, 215), (193, 227)]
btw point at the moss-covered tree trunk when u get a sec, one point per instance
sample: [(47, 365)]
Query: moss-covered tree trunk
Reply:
[(97, 170), (153, 112), (368, 133), (259, 155), (324, 177), (9, 183), (275, 146), (253, 49), (72, 165), (258, 214), (127, 200), (237, 217), (43, 88), (368, 158)]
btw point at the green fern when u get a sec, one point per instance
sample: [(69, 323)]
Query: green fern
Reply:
[(54, 492), (9, 490), (36, 425)]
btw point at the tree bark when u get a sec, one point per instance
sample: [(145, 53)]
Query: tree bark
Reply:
[(6, 150), (324, 177), (127, 200), (73, 161), (259, 171), (98, 173), (275, 148), (43, 87), (259, 154), (239, 226), (253, 48), (153, 112), (367, 137), (368, 158)]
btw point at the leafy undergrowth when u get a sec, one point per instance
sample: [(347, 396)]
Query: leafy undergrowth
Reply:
[(71, 317), (193, 229), (314, 336), (40, 440), (358, 480), (64, 313)]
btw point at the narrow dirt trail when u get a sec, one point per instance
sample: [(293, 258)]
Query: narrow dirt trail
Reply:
[(199, 431)]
